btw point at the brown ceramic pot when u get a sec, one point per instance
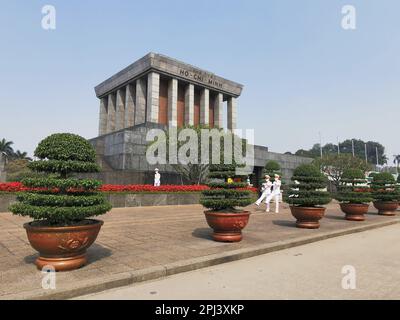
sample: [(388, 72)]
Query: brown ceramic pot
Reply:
[(354, 211), (307, 217), (227, 226), (386, 208), (64, 248)]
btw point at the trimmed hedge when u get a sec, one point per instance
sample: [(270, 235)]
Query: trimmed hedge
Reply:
[(306, 187), (224, 195), (352, 188), (62, 200), (384, 188)]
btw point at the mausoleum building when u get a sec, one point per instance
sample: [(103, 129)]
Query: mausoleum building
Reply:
[(159, 92)]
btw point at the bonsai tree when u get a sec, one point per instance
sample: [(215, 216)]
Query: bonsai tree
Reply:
[(223, 198), (354, 194), (61, 200), (271, 168), (385, 193), (306, 195), (225, 195)]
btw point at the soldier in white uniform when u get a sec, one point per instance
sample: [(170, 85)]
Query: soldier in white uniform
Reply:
[(276, 193), (157, 178), (265, 189)]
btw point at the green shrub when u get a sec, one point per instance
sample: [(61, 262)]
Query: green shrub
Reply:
[(384, 188), (271, 168), (223, 195), (59, 199), (306, 187), (352, 187)]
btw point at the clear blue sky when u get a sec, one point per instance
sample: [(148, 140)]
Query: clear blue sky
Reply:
[(302, 72)]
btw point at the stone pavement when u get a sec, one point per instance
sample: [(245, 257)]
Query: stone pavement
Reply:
[(143, 243)]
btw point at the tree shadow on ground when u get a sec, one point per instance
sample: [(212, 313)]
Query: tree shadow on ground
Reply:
[(284, 223), (203, 233), (94, 253)]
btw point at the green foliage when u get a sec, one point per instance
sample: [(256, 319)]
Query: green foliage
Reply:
[(384, 188), (223, 195), (67, 147), (352, 188), (57, 199), (63, 166), (307, 189), (333, 165), (271, 168), (347, 148), (18, 169)]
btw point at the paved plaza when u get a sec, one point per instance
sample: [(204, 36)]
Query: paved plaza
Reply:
[(143, 243)]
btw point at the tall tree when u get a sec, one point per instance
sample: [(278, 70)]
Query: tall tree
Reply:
[(6, 148), (21, 155), (396, 161), (346, 147), (333, 165)]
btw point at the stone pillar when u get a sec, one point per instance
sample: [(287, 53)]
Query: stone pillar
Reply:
[(232, 105), (111, 113), (103, 116), (172, 103), (129, 106), (153, 94), (120, 110), (189, 104), (218, 111), (204, 106), (140, 112)]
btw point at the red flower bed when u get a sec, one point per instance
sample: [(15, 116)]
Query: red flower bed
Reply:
[(135, 188), (132, 188), (12, 187)]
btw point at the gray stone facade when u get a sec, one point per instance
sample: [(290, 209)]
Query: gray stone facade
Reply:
[(122, 156)]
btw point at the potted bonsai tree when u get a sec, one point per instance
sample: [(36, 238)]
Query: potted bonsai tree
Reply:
[(223, 199), (306, 195), (354, 194), (385, 193), (60, 204)]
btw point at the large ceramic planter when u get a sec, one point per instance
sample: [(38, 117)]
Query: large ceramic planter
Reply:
[(227, 226), (386, 208), (354, 211), (307, 217), (63, 248)]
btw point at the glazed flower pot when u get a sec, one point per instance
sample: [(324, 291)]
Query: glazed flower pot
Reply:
[(386, 208), (227, 226), (63, 248), (354, 211), (307, 217)]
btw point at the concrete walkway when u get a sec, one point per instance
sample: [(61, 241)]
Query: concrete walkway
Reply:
[(311, 271), (138, 244)]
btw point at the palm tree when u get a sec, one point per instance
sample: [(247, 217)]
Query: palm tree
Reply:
[(396, 161), (21, 155), (5, 148)]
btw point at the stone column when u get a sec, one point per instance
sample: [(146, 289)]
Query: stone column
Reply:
[(189, 104), (103, 116), (232, 105), (172, 103), (205, 106), (111, 113), (129, 106), (120, 110), (218, 111), (140, 112), (153, 94)]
